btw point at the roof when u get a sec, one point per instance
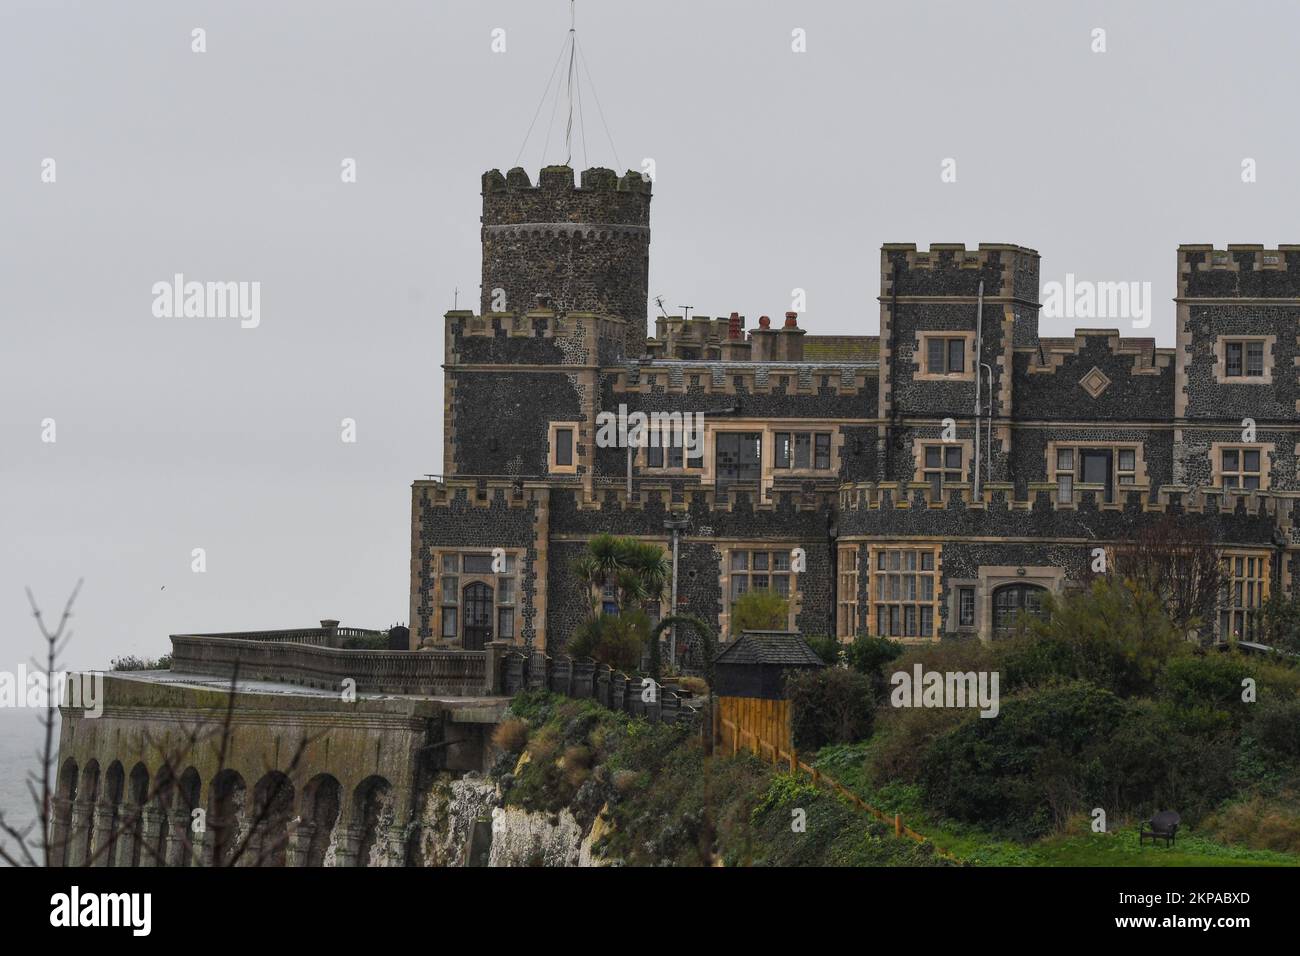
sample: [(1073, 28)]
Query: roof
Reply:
[(841, 348), (783, 648)]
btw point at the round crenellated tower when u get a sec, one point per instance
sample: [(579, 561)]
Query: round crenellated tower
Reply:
[(586, 248)]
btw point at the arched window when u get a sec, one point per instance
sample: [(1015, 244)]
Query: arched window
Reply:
[(1013, 602)]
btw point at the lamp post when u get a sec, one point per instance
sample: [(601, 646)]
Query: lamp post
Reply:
[(675, 524)]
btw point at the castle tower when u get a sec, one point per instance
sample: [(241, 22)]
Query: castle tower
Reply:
[(587, 249)]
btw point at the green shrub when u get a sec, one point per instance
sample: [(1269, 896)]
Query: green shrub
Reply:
[(132, 663), (1111, 634), (613, 639), (1022, 771), (1206, 680), (829, 705), (1274, 727), (871, 655), (759, 611), (828, 649)]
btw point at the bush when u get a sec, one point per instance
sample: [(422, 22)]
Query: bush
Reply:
[(1022, 771), (827, 648), (1112, 634), (613, 639), (829, 705), (870, 655), (511, 735), (1206, 680), (759, 611), (1274, 727), (1259, 822), (132, 663)]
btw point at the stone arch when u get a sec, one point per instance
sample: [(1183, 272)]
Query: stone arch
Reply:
[(272, 810), (83, 813), (137, 794), (321, 799), (187, 801), (65, 794), (226, 819), (372, 817), (114, 790)]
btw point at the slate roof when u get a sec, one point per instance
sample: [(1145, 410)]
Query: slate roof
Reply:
[(782, 648)]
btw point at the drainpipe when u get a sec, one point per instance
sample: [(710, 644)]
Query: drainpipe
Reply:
[(979, 341), (891, 428), (675, 525), (988, 443)]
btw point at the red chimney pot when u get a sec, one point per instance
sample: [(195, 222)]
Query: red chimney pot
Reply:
[(792, 320), (764, 322)]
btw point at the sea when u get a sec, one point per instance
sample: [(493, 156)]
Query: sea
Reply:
[(21, 737)]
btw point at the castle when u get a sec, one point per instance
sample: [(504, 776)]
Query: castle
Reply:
[(919, 517)]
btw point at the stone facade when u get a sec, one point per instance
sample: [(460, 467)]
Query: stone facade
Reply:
[(859, 450)]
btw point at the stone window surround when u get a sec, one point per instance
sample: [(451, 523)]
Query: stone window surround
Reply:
[(551, 466), (870, 615), (919, 356), (967, 446), (1221, 360), (1140, 477), (1266, 452), (992, 577), (767, 461), (954, 606), (795, 599), (435, 556)]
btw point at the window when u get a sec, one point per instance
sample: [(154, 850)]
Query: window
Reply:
[(1243, 359), (848, 592), (563, 440), (1105, 465), (666, 448), (1065, 475), (738, 457), (1240, 468), (1013, 603), (943, 465), (965, 607), (903, 592), (802, 450), (760, 571), (564, 446), (1246, 590), (945, 356)]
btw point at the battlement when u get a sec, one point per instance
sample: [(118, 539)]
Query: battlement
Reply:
[(949, 269), (1280, 506), (534, 324), (602, 200), (1050, 352), (1239, 271)]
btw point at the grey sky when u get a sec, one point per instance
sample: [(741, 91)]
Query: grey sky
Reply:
[(775, 170)]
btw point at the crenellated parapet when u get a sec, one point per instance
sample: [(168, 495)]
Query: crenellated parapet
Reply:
[(1238, 272), (950, 269)]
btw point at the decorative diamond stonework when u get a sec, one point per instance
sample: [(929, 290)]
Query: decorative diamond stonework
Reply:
[(1095, 382)]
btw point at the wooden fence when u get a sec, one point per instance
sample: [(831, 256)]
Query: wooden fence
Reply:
[(763, 728)]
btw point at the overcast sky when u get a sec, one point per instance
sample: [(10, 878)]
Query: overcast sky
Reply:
[(775, 170)]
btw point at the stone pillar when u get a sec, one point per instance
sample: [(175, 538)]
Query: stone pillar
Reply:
[(177, 843), (295, 854), (129, 833), (78, 841), (396, 843), (495, 658), (349, 845), (105, 820), (60, 830), (151, 823)]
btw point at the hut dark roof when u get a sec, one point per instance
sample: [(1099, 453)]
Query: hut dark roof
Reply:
[(781, 648)]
